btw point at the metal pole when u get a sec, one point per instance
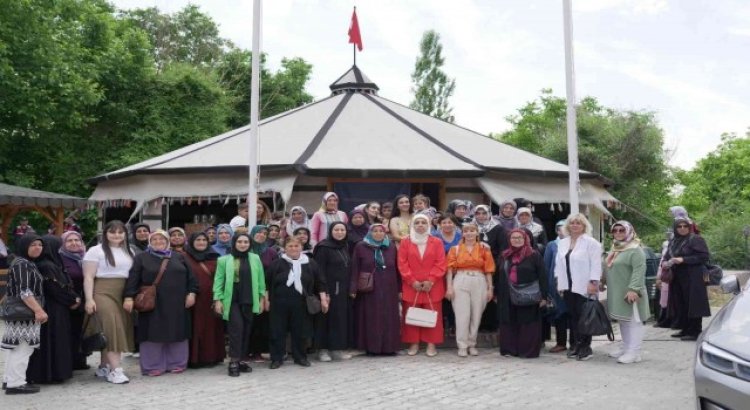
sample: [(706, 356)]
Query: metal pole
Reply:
[(570, 85), (252, 193)]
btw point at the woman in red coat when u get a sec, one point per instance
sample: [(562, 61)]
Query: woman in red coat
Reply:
[(421, 261)]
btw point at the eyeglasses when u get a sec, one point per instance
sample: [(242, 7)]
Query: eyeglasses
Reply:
[(619, 230), (516, 238)]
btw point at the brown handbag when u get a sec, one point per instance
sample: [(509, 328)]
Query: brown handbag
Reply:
[(365, 282), (145, 300)]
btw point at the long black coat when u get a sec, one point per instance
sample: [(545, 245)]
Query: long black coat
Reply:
[(687, 290), (331, 329), (529, 270)]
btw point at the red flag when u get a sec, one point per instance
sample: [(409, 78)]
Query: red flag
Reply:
[(354, 36)]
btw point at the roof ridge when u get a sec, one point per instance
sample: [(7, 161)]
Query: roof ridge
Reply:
[(323, 131)]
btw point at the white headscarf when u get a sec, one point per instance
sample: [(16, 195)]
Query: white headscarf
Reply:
[(292, 226), (295, 275), (419, 239)]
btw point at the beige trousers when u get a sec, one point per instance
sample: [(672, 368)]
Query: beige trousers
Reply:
[(469, 300)]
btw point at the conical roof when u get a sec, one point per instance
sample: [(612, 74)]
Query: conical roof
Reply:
[(354, 80)]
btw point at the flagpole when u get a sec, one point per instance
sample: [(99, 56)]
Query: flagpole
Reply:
[(252, 193), (573, 178), (354, 51)]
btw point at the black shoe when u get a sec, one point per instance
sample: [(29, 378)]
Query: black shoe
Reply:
[(23, 389), (678, 334), (234, 369), (585, 353), (5, 385), (689, 338), (303, 362), (275, 365), (245, 367), (572, 353)]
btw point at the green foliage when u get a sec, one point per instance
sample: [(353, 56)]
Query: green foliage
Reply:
[(432, 87), (624, 146)]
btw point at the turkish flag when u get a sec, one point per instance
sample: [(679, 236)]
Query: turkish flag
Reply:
[(354, 36)]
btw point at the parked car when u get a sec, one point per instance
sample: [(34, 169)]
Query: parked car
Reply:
[(722, 360)]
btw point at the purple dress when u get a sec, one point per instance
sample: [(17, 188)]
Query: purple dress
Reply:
[(376, 316)]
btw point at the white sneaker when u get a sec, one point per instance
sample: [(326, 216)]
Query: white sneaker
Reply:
[(473, 351), (323, 356), (116, 376), (339, 355), (628, 358), (462, 352), (617, 353), (102, 372)]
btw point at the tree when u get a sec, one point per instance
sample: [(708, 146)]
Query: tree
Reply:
[(432, 87), (624, 146)]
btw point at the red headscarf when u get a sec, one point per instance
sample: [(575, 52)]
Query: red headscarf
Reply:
[(515, 254)]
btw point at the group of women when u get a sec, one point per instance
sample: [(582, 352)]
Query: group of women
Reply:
[(333, 281)]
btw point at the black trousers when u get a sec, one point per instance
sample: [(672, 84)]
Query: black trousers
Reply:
[(289, 314), (575, 307), (561, 330), (239, 327)]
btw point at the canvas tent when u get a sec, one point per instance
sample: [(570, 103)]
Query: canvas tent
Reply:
[(354, 136)]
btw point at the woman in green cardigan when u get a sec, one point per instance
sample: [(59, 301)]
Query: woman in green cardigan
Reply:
[(239, 293), (627, 299)]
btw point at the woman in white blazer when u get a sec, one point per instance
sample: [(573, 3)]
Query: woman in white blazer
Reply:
[(578, 268)]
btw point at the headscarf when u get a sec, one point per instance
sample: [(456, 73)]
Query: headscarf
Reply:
[(514, 255), (378, 245), (210, 228), (292, 226), (257, 247), (223, 247), (677, 245), (532, 226), (295, 274), (507, 222), (142, 245), (270, 241), (166, 253), (678, 212), (419, 238), (24, 242), (169, 239), (325, 199), (74, 255), (241, 254), (559, 223), (487, 226), (631, 241), (51, 251), (334, 243), (356, 233), (207, 254)]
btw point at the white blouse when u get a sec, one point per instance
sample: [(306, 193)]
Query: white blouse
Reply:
[(120, 270), (585, 263)]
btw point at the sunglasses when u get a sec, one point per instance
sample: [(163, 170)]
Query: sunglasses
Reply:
[(619, 230), (683, 226)]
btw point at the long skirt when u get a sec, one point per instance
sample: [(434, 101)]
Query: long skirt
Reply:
[(521, 340), (163, 357), (116, 322)]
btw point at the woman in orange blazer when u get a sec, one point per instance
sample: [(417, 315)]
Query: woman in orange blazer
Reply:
[(421, 261)]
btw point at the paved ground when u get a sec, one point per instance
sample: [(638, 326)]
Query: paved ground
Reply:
[(662, 381)]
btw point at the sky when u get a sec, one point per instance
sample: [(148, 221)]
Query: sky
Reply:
[(686, 60)]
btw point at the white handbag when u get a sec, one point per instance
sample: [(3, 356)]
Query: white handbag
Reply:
[(421, 317)]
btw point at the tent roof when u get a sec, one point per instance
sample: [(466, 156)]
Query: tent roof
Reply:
[(20, 196)]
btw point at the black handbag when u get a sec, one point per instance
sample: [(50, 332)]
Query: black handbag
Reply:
[(12, 309), (97, 340), (526, 294), (313, 304), (594, 320)]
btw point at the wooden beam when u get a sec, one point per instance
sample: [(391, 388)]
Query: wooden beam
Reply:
[(7, 213), (60, 220)]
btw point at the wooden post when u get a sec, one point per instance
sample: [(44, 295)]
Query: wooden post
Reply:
[(60, 221)]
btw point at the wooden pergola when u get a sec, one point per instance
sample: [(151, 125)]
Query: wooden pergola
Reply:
[(15, 199)]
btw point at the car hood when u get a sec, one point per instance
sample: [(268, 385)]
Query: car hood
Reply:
[(730, 329)]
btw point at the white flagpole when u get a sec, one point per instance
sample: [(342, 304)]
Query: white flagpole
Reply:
[(252, 193), (570, 85)]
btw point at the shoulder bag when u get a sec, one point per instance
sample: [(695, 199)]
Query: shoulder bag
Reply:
[(97, 340), (365, 282), (313, 303), (12, 309), (145, 300), (527, 294), (421, 317)]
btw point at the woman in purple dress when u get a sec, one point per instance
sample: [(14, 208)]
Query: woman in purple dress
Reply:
[(376, 312)]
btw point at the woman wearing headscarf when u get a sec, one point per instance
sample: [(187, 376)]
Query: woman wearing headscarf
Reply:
[(377, 321), (469, 286), (297, 219), (334, 262), (303, 234), (627, 301), (223, 245), (401, 218), (326, 215), (239, 292), (207, 341), (559, 317), (520, 326), (52, 361), (507, 216), (106, 268), (421, 262), (163, 332), (141, 231), (274, 236), (291, 278), (578, 269), (526, 221), (71, 253), (357, 228), (460, 209), (686, 256), (211, 233), (21, 337), (259, 338), (177, 239)]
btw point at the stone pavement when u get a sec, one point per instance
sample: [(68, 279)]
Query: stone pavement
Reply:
[(662, 381)]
